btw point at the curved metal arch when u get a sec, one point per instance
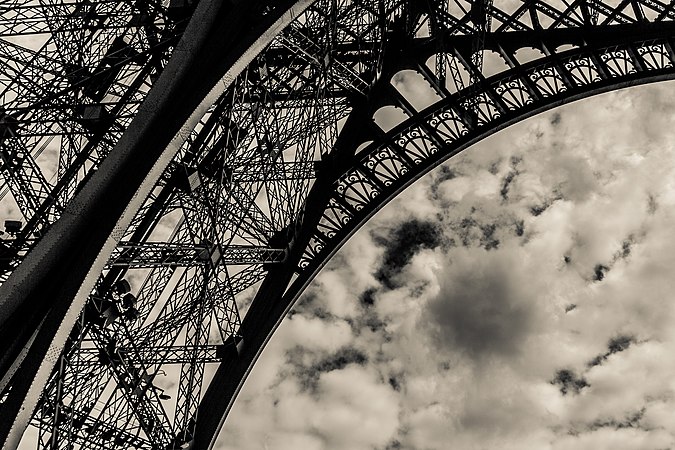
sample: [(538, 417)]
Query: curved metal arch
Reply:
[(442, 130), (367, 181)]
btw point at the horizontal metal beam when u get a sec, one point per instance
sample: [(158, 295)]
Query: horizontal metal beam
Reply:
[(160, 254), (151, 355), (89, 430)]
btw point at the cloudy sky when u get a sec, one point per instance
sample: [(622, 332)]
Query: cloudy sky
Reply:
[(519, 297)]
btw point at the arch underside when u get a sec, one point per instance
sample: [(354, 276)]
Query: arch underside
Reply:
[(287, 165), (370, 176), (392, 161)]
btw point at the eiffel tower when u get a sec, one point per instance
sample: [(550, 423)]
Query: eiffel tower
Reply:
[(175, 173)]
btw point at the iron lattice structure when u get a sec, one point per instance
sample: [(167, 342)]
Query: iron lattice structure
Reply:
[(183, 169)]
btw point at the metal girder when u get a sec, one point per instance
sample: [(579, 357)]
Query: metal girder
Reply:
[(173, 355), (219, 196), (158, 254), (94, 431), (23, 18)]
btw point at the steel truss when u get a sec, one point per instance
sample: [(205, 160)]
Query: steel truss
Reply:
[(184, 170)]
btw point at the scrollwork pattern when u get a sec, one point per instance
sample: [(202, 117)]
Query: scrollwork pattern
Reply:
[(448, 125), (618, 62), (311, 252), (387, 166), (316, 245), (417, 145), (655, 56), (358, 190), (583, 71), (304, 261), (334, 218), (514, 94), (548, 81), (484, 107)]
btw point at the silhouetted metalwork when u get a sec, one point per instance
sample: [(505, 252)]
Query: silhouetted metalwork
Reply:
[(342, 106)]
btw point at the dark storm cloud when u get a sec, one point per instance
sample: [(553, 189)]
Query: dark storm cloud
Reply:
[(367, 319), (482, 309), (556, 118), (520, 227), (510, 177), (341, 359), (367, 298), (599, 272), (308, 375), (629, 421), (569, 382), (615, 345), (470, 232), (310, 306), (619, 344), (402, 244), (506, 182), (445, 173), (370, 321), (537, 210), (394, 445), (628, 244), (395, 383), (625, 248), (489, 240)]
